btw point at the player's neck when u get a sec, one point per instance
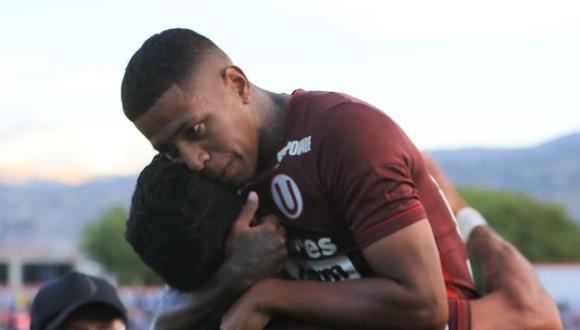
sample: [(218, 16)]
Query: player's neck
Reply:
[(272, 115)]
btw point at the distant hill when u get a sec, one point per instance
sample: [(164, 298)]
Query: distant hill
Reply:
[(549, 172), (40, 211), (45, 211)]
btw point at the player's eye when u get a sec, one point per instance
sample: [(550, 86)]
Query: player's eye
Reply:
[(195, 132)]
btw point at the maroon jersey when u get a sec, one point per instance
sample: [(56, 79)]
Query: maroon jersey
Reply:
[(345, 177)]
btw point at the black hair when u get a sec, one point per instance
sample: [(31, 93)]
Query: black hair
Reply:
[(179, 222), (164, 59)]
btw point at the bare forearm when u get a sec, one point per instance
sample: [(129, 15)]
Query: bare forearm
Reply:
[(255, 252), (203, 308), (367, 303), (511, 285), (408, 291)]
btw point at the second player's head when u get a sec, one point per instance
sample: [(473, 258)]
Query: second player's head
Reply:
[(179, 222)]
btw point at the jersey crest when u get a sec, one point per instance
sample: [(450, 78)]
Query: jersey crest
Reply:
[(287, 196)]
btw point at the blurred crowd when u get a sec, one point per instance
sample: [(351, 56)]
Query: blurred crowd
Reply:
[(570, 314), (139, 301)]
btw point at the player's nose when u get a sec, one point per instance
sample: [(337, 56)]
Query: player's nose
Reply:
[(193, 155)]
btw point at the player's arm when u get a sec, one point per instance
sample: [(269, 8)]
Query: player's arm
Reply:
[(256, 252), (198, 309), (408, 292), (513, 289), (513, 297), (367, 165)]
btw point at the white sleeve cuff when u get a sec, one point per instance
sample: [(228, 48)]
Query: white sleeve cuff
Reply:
[(468, 218)]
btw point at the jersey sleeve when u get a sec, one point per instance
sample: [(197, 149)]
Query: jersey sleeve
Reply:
[(368, 163)]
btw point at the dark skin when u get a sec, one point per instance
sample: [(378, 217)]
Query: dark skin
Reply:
[(220, 124), (513, 295), (254, 253), (214, 124), (93, 317), (390, 301)]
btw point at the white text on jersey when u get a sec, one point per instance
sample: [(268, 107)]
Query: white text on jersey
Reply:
[(324, 247), (295, 148), (333, 269)]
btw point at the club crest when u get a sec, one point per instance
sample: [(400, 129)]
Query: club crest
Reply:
[(287, 196)]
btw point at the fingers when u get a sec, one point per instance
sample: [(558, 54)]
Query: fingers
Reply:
[(248, 211), (226, 323), (244, 220), (272, 235), (272, 223)]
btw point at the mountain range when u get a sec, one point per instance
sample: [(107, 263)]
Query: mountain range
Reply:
[(37, 212), (44, 211), (548, 172)]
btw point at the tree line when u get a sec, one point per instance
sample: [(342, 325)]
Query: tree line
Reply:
[(542, 231)]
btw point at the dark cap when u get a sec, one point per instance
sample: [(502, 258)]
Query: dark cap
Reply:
[(59, 298)]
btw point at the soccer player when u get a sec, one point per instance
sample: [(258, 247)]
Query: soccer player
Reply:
[(179, 224), (349, 187)]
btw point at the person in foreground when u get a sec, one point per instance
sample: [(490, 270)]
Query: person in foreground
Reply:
[(350, 189), (179, 224), (77, 301), (347, 185)]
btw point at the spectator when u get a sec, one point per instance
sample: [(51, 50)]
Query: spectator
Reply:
[(77, 301)]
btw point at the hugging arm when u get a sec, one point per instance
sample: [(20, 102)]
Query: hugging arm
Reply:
[(408, 291), (255, 252), (513, 297)]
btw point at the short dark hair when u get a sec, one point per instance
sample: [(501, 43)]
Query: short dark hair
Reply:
[(164, 59), (179, 222)]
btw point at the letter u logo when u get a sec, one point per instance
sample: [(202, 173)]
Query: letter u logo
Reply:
[(287, 196)]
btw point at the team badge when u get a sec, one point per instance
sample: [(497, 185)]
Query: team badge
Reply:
[(287, 196)]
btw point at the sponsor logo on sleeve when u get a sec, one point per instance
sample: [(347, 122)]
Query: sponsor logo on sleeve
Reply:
[(295, 148)]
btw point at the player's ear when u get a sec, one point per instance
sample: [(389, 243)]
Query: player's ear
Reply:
[(236, 79)]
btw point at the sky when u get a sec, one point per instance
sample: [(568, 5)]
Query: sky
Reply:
[(453, 73)]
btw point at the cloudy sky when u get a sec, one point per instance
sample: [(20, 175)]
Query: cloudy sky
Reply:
[(453, 73)]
